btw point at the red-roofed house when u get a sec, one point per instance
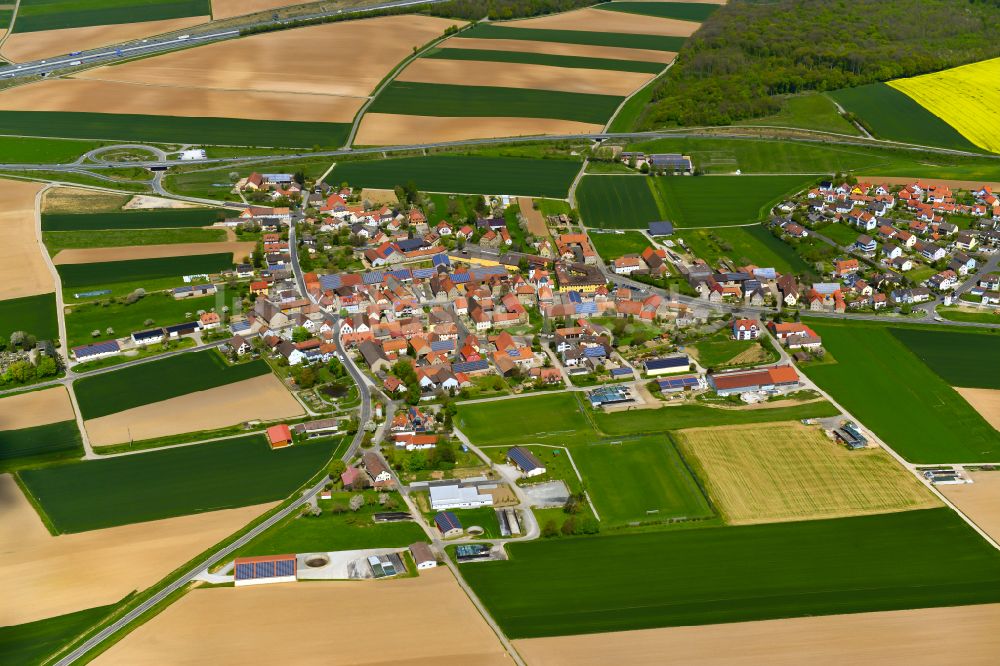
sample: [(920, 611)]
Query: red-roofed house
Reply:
[(279, 436)]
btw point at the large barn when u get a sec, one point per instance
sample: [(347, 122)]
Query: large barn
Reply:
[(265, 569)]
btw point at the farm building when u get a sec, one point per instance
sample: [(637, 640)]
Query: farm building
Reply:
[(765, 379), (678, 384), (150, 337), (448, 524), (265, 569), (319, 428), (851, 436), (472, 552), (454, 496), (423, 556), (670, 163), (96, 351), (279, 436), (667, 366), (661, 229), (610, 395), (526, 461), (377, 470)]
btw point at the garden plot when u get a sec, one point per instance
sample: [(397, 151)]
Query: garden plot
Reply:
[(22, 264)]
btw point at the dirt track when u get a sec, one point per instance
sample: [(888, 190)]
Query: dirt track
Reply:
[(597, 20), (966, 635), (22, 265), (520, 75), (36, 408), (557, 48), (24, 46), (262, 398), (44, 576), (979, 500), (384, 129), (420, 621), (98, 254), (176, 100)]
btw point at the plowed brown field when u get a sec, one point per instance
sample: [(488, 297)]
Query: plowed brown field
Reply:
[(388, 129), (22, 265), (557, 48), (597, 20), (95, 255), (36, 408), (979, 500)]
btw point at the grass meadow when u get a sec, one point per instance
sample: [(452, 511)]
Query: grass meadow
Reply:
[(722, 201), (173, 129), (63, 240), (644, 421), (729, 574), (36, 15), (464, 174), (161, 484), (439, 99), (546, 59), (653, 42), (813, 111), (611, 246), (744, 245), (33, 314), (40, 443), (879, 380), (969, 360), (155, 381), (617, 202), (135, 219), (139, 270), (162, 308)]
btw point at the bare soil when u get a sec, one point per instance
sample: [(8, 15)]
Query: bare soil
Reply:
[(99, 254), (597, 20), (79, 200), (536, 221), (43, 576), (557, 48), (223, 9), (263, 398), (965, 635), (984, 401), (520, 75), (36, 408), (421, 621), (24, 46), (379, 196), (143, 202), (23, 271), (979, 500), (386, 129)]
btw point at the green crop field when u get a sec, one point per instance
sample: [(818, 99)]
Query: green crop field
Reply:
[(720, 201), (464, 174), (135, 219), (35, 15), (55, 440), (166, 378), (439, 99), (160, 484), (969, 360), (685, 11), (42, 151), (891, 114), (32, 314), (34, 642), (138, 270), (744, 245), (617, 202), (64, 240), (173, 129), (653, 42), (639, 480), (611, 246), (885, 385), (903, 560), (547, 59), (163, 309)]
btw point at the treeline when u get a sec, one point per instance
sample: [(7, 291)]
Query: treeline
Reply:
[(749, 53)]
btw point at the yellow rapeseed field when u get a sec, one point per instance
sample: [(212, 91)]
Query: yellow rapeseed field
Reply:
[(966, 97)]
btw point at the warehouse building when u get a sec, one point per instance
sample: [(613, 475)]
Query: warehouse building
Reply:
[(526, 461), (265, 569), (669, 365), (423, 556), (448, 524), (764, 379), (458, 497)]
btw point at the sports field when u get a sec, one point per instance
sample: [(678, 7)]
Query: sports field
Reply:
[(527, 57), (137, 270), (172, 482), (639, 480), (744, 245), (136, 219), (37, 15), (463, 174), (589, 37), (33, 314), (890, 114), (524, 419), (788, 471), (159, 380), (911, 559), (879, 380), (611, 246), (617, 202), (962, 359), (720, 201)]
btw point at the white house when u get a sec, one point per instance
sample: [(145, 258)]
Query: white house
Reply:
[(458, 497), (746, 329)]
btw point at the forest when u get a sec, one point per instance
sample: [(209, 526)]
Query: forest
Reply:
[(750, 53)]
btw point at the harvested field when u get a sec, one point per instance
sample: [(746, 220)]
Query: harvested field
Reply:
[(260, 62), (387, 129), (72, 200), (102, 254), (557, 48), (25, 46), (922, 637), (263, 398), (223, 9), (788, 471), (41, 574), (90, 96), (980, 500), (377, 196), (22, 265), (36, 408), (222, 626), (536, 221), (984, 401), (596, 20), (518, 75)]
